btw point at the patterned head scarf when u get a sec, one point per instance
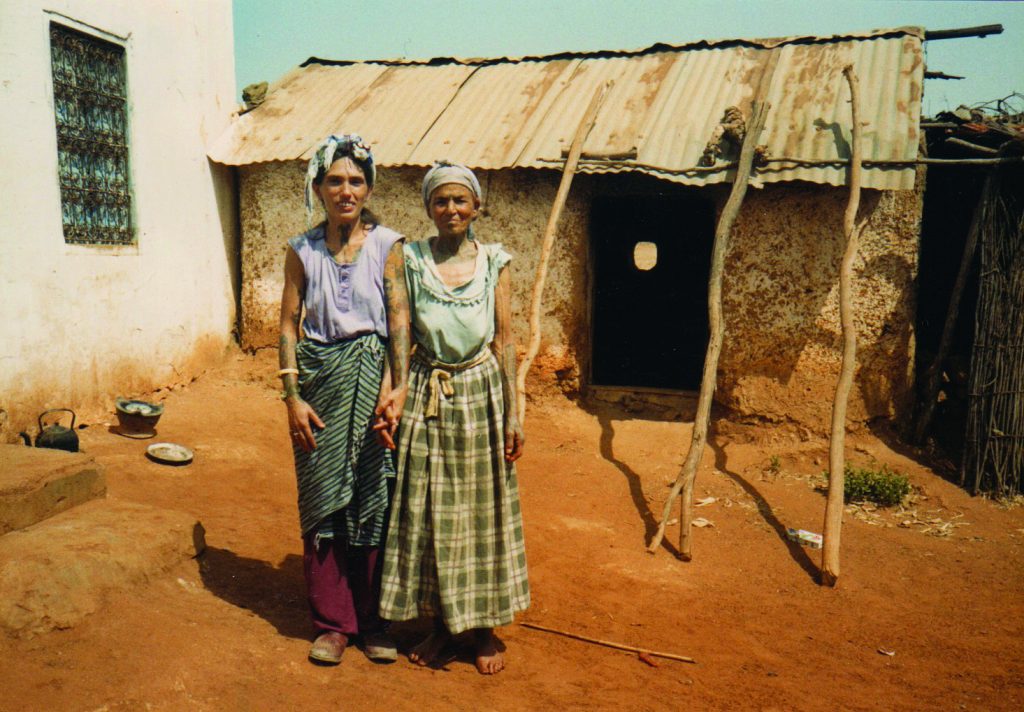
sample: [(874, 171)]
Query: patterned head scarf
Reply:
[(445, 172), (330, 150)]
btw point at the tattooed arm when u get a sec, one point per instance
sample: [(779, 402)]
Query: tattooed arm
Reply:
[(396, 301), (505, 348), (301, 417)]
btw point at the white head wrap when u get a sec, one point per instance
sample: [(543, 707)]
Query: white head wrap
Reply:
[(331, 149), (445, 172)]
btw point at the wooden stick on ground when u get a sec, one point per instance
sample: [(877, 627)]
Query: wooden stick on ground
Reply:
[(688, 472), (571, 161), (610, 644), (836, 459), (935, 369)]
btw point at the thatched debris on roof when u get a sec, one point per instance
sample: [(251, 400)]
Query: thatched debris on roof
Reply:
[(986, 128)]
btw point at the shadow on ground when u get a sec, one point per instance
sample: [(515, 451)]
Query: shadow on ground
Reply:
[(274, 593), (277, 594), (606, 415), (636, 492), (942, 452), (796, 552)]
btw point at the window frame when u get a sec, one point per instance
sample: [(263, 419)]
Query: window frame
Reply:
[(55, 20)]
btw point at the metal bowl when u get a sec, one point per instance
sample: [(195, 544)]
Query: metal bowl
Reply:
[(136, 418)]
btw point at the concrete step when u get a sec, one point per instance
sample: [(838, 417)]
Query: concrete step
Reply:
[(56, 572), (36, 483)]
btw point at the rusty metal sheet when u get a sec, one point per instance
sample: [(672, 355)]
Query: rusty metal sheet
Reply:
[(619, 127), (490, 121), (381, 112), (663, 107), (306, 102)]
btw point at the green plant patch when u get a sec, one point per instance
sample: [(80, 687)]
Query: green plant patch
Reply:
[(882, 486)]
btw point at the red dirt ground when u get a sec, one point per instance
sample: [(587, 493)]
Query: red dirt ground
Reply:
[(230, 632)]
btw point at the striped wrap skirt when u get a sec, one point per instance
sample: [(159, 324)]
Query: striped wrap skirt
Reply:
[(342, 484), (455, 545)]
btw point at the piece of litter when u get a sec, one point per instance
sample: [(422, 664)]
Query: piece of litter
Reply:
[(645, 657), (883, 651), (804, 538), (705, 502), (702, 522)]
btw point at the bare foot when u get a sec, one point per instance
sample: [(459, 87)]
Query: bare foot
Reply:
[(428, 651), (489, 658)]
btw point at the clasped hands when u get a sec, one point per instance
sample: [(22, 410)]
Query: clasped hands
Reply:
[(303, 420), (387, 414)]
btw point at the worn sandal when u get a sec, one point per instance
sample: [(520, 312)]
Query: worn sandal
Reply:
[(328, 648), (380, 648)]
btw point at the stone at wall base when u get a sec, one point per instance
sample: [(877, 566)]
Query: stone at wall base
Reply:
[(654, 402)]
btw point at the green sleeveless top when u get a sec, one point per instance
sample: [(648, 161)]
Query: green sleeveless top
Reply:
[(452, 324)]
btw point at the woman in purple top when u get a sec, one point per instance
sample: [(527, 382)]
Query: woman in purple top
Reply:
[(348, 275)]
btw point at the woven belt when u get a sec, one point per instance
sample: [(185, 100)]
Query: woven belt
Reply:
[(439, 383)]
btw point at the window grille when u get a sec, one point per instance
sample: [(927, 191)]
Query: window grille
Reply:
[(90, 105)]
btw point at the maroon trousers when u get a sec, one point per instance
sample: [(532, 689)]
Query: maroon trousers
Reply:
[(343, 586)]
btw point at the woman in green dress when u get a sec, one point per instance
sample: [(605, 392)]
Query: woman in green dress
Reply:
[(455, 548)]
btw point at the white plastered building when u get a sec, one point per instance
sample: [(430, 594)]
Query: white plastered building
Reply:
[(118, 237)]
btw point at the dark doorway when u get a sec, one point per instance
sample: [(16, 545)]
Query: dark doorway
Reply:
[(950, 199), (650, 319)]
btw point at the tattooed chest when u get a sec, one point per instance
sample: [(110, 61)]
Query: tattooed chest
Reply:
[(456, 272)]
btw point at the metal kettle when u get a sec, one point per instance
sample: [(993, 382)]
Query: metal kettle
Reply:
[(56, 436)]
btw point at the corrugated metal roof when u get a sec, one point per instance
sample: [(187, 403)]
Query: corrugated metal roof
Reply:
[(662, 108)]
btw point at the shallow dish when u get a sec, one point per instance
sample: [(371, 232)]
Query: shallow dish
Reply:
[(169, 453)]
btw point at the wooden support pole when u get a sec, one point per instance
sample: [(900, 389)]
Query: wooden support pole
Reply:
[(972, 146), (888, 163), (575, 149), (837, 443), (952, 312), (688, 473), (978, 31)]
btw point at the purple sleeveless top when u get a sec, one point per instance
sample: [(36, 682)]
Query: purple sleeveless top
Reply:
[(344, 300)]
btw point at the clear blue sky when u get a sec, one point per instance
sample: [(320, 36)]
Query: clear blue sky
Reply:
[(272, 36)]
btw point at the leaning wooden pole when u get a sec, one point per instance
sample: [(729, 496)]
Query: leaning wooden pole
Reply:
[(688, 472), (836, 460), (571, 161), (935, 369)]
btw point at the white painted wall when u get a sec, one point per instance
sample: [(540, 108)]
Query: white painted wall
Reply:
[(80, 325)]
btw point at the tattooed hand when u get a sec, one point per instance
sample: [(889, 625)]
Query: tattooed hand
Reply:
[(301, 420), (514, 438)]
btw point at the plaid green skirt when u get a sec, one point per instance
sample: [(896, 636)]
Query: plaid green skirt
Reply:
[(455, 540)]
